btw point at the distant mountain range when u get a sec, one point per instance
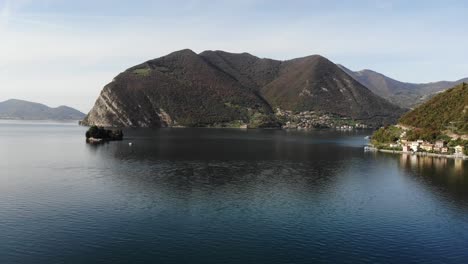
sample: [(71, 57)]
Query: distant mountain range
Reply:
[(217, 87), (406, 95), (24, 110)]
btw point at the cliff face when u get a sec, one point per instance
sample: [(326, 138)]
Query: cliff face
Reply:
[(226, 89)]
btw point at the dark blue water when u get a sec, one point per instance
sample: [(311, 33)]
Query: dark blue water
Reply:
[(224, 196)]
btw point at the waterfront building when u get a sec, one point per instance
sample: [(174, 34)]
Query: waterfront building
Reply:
[(427, 147), (415, 146), (459, 150)]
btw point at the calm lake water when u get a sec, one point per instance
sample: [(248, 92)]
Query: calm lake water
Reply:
[(224, 196)]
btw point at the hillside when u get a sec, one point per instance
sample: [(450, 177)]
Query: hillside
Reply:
[(445, 111), (24, 110), (180, 89), (315, 83), (406, 95), (226, 89)]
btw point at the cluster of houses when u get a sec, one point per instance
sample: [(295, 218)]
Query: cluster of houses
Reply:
[(311, 119), (351, 127), (424, 146), (303, 120), (344, 127)]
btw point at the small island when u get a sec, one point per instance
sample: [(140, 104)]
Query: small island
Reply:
[(98, 135)]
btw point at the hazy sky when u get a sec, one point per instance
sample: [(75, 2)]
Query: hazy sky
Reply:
[(64, 51)]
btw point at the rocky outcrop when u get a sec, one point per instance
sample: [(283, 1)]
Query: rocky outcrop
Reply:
[(216, 88), (111, 110), (97, 135)]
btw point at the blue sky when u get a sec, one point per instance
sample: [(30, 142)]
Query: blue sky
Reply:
[(63, 52)]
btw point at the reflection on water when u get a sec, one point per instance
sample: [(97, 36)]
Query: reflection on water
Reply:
[(441, 165), (449, 174), (225, 196)]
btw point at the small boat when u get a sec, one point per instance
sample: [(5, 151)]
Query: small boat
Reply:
[(369, 148), (130, 144), (367, 137)]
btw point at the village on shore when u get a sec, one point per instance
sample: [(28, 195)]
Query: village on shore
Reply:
[(440, 148), (312, 119)]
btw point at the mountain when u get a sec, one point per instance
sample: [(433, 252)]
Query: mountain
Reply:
[(178, 89), (445, 111), (406, 95), (217, 87), (19, 109)]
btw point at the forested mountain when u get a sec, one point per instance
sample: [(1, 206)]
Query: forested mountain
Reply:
[(217, 87), (445, 111)]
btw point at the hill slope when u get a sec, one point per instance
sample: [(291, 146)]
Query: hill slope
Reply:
[(217, 87), (406, 95), (447, 110), (19, 109), (315, 83)]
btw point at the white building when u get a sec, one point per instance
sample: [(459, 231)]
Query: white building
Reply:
[(439, 144), (459, 150), (406, 148), (415, 146)]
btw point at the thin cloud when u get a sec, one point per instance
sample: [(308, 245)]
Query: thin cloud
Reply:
[(4, 14)]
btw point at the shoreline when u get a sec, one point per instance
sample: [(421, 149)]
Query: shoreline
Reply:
[(423, 154)]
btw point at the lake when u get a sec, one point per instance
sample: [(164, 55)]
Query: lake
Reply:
[(224, 196)]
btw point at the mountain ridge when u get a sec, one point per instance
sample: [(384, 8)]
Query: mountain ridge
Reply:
[(222, 87), (403, 94), (284, 66)]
